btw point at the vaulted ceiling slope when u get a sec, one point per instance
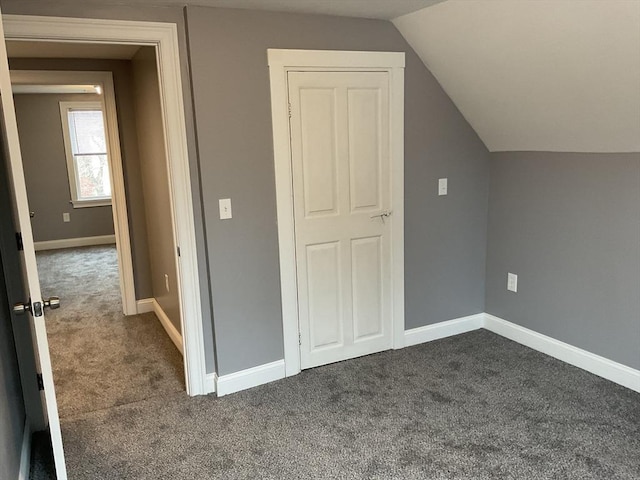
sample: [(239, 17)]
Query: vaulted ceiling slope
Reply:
[(538, 75)]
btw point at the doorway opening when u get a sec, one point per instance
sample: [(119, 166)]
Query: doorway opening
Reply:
[(162, 38), (89, 195)]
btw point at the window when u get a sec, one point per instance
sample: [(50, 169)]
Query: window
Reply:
[(85, 144)]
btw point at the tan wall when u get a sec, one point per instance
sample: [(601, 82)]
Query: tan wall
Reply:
[(155, 182)]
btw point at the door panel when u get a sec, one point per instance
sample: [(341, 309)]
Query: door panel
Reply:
[(366, 285), (325, 306), (341, 182), (319, 151), (22, 220), (365, 157)]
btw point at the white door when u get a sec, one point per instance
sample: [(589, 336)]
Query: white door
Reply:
[(28, 257), (343, 213)]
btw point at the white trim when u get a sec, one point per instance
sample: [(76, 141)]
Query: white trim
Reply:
[(74, 242), (91, 203), (280, 58), (251, 377), (164, 37), (171, 330), (210, 383), (118, 194), (603, 367), (280, 62), (144, 305), (65, 108), (25, 453), (445, 329)]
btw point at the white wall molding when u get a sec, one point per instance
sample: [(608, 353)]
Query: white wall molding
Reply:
[(171, 330), (210, 383), (445, 329), (251, 377), (144, 305), (25, 453), (603, 367), (74, 242)]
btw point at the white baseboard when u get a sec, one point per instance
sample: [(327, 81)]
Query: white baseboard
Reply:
[(603, 367), (75, 242), (210, 383), (172, 331), (440, 330), (25, 453), (251, 377), (144, 305)]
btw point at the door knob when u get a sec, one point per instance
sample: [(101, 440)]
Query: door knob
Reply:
[(22, 307), (382, 215), (52, 303)]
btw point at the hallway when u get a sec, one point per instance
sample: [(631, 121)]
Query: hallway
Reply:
[(101, 359)]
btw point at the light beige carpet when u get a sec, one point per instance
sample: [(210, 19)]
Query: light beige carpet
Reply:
[(101, 358)]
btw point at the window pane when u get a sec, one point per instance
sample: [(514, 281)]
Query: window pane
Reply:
[(87, 132), (92, 175)]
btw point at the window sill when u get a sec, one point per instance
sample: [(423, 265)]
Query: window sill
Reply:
[(91, 203)]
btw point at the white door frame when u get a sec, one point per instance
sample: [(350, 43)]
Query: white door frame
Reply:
[(280, 63), (118, 197), (164, 37)]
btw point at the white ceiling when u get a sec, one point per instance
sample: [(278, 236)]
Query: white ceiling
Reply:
[(554, 75)]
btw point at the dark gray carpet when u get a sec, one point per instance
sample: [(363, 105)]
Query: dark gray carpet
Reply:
[(474, 406), (100, 357)]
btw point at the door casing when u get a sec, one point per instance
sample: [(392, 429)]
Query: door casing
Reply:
[(119, 201), (164, 38), (282, 61)]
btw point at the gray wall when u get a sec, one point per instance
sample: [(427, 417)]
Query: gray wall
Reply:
[(155, 182), (121, 70), (45, 166), (568, 224), (445, 236), (12, 413)]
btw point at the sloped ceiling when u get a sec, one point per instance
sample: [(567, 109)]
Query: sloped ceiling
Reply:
[(539, 75)]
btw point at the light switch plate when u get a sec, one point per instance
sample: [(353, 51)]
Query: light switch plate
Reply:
[(512, 282), (66, 217), (442, 186), (225, 208)]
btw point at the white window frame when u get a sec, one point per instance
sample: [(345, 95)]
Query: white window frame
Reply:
[(65, 108)]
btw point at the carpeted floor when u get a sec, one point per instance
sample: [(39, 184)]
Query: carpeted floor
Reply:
[(101, 358), (473, 406)]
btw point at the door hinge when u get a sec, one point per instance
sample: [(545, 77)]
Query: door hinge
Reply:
[(40, 381), (178, 248), (289, 109), (19, 241), (299, 339)]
